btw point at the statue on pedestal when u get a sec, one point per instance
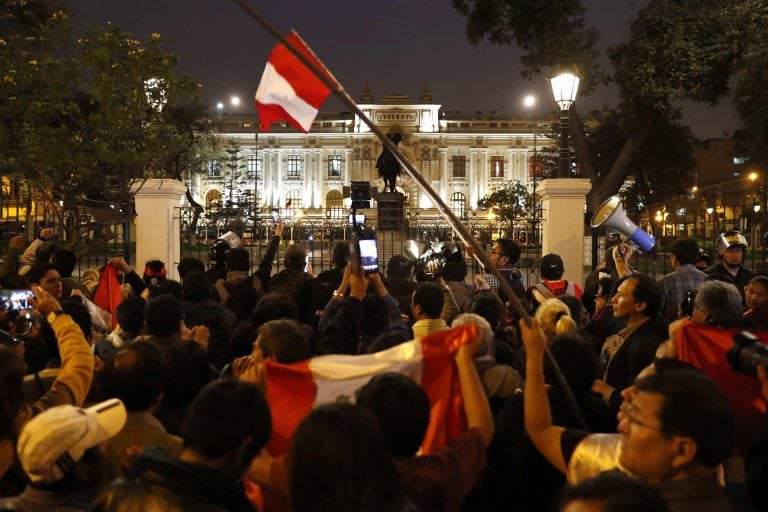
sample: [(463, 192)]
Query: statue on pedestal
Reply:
[(387, 165)]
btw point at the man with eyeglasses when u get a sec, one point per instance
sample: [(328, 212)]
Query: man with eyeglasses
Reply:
[(504, 254), (684, 277), (675, 428)]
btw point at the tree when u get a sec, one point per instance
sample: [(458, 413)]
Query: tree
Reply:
[(509, 202), (677, 50), (86, 116)]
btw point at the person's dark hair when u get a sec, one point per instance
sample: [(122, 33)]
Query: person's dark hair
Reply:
[(167, 287), (130, 314), (375, 315), (137, 375), (197, 287), (401, 409), (488, 307), (615, 492), (398, 265), (647, 291), (686, 251), (238, 259), (243, 336), (551, 267), (388, 339), (576, 359), (430, 297), (188, 264), (607, 284), (44, 252), (761, 280), (274, 306), (163, 316), (12, 371), (510, 249), (65, 260), (37, 271), (285, 340), (135, 496), (189, 372), (693, 406), (340, 255), (357, 471), (721, 301), (455, 268), (575, 306), (224, 414), (295, 257)]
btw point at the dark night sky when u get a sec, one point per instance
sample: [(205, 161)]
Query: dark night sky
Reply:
[(396, 46)]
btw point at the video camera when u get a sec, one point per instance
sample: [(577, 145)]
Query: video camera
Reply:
[(433, 261), (747, 352)]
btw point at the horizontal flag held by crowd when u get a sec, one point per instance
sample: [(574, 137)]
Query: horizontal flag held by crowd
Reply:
[(288, 90), (293, 390)]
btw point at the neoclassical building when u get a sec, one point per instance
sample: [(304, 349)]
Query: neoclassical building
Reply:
[(463, 156)]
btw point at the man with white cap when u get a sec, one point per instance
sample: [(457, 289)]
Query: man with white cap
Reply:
[(58, 450)]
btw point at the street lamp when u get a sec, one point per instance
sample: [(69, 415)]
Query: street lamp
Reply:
[(529, 101), (565, 86), (234, 101)]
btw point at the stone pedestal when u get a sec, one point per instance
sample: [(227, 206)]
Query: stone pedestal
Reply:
[(562, 202), (390, 211), (157, 226)]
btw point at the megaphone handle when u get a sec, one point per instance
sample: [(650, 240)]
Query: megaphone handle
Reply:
[(621, 255)]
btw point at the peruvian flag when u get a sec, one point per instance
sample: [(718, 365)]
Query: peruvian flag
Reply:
[(293, 390), (705, 347), (288, 90)]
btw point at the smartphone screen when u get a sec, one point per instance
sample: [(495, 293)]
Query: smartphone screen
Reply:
[(354, 257), (16, 300), (369, 256), (275, 216)]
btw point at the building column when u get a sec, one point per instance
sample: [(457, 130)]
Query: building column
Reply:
[(443, 170), (158, 233), (562, 222)]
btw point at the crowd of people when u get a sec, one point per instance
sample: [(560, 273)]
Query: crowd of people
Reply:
[(594, 402)]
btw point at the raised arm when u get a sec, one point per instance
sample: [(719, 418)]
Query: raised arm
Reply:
[(476, 406), (538, 418)]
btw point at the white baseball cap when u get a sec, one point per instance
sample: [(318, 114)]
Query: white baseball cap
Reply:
[(54, 440)]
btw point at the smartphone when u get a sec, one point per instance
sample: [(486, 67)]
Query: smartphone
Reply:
[(16, 300), (369, 256), (275, 216), (354, 257)]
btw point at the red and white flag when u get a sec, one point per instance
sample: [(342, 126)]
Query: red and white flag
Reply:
[(288, 90), (293, 390)]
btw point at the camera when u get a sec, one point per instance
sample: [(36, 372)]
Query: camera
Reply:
[(747, 352), (432, 263)]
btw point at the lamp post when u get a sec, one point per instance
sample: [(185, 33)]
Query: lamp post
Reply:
[(529, 101), (565, 86)]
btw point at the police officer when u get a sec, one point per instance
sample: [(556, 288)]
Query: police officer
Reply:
[(732, 248)]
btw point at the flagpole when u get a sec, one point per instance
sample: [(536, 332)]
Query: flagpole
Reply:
[(328, 79)]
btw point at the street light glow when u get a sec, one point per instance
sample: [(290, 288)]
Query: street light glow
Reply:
[(220, 105), (529, 100), (235, 101)]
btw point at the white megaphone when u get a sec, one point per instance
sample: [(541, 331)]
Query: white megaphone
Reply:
[(611, 215)]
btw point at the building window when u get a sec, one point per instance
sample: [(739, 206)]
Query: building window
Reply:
[(214, 169), (334, 166), (253, 167), (497, 167), (293, 169), (459, 204), (293, 201), (213, 198), (459, 166)]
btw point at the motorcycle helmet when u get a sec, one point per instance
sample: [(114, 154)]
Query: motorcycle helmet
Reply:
[(730, 239), (218, 253)]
